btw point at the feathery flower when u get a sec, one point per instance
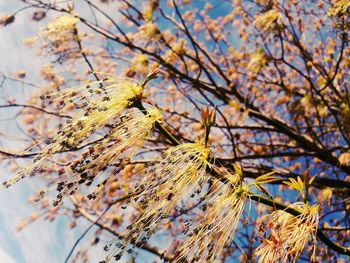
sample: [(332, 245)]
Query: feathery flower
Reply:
[(216, 226), (117, 147), (288, 234), (174, 178), (96, 104)]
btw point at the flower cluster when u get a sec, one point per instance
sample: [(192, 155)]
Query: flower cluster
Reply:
[(288, 234), (340, 13), (149, 31), (108, 106), (339, 8), (60, 37), (96, 105), (257, 61), (117, 148), (222, 210), (267, 21), (180, 172)]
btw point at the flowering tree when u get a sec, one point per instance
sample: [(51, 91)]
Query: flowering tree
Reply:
[(223, 125)]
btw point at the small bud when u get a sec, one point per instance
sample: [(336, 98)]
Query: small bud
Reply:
[(344, 159), (152, 75), (6, 20), (208, 116), (38, 15), (21, 74)]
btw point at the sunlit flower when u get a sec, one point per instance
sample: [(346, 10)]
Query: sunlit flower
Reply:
[(61, 37), (266, 21), (149, 9), (339, 8), (96, 104), (344, 159), (288, 234), (216, 226), (257, 61), (172, 179), (139, 64), (118, 146), (149, 31), (57, 27), (340, 14), (177, 50)]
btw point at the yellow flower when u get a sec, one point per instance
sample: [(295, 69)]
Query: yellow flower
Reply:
[(117, 147), (340, 13), (266, 21), (257, 61), (177, 50), (139, 64), (339, 8), (288, 234), (60, 37), (149, 9), (216, 226), (149, 31), (344, 159), (97, 103), (58, 26), (174, 178)]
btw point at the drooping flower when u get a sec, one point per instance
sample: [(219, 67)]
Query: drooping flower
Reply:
[(172, 179), (117, 147), (216, 226), (288, 234), (95, 104)]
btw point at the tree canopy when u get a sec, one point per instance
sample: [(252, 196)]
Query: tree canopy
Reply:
[(198, 131)]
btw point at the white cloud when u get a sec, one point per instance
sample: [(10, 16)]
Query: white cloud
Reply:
[(6, 257)]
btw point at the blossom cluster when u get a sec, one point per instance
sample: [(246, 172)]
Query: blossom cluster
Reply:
[(182, 173), (288, 234), (96, 105), (60, 37)]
